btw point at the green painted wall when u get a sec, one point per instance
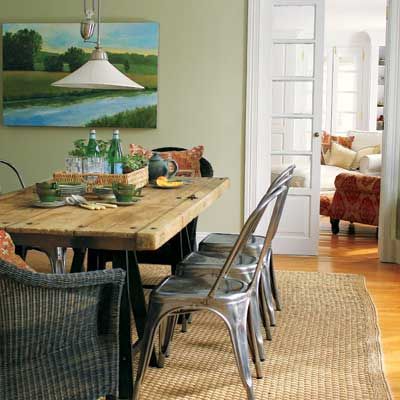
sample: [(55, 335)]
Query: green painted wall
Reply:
[(201, 91)]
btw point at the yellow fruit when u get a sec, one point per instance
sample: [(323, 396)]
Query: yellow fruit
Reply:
[(162, 181)]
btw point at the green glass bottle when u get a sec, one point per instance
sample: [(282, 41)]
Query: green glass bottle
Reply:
[(115, 154), (92, 149)]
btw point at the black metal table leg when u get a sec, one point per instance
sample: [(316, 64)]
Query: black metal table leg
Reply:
[(137, 298), (77, 260)]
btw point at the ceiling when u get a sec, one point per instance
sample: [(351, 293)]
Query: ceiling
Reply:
[(356, 15)]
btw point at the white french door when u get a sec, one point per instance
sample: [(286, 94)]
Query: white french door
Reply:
[(289, 49)]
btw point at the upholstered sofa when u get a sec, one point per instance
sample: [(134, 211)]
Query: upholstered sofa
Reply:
[(366, 145), (356, 199)]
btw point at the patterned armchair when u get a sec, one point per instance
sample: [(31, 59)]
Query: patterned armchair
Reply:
[(356, 199)]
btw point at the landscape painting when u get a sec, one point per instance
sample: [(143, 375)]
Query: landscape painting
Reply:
[(36, 55)]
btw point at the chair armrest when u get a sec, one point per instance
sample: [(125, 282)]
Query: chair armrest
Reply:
[(371, 164), (355, 182), (62, 281)]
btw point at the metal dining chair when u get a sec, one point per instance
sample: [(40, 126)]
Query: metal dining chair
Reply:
[(227, 297), (210, 263), (223, 242), (217, 245)]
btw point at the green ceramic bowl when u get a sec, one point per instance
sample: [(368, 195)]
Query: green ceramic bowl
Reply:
[(47, 191), (124, 192)]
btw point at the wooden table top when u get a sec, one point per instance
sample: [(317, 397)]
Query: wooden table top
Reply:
[(147, 224)]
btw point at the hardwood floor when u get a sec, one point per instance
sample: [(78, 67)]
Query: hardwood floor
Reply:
[(358, 254)]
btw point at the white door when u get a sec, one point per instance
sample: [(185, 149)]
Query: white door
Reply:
[(297, 80)]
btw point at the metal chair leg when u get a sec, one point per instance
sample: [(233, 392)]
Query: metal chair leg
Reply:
[(166, 339), (267, 294), (254, 345), (264, 312), (235, 318), (255, 327), (155, 316), (274, 285)]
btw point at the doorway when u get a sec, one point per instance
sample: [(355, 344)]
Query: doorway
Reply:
[(308, 90)]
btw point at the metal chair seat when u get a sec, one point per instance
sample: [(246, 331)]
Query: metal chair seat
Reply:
[(208, 262), (223, 242), (203, 265), (197, 287)]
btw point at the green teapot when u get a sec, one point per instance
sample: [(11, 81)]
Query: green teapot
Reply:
[(160, 167)]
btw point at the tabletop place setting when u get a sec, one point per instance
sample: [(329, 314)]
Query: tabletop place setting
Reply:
[(98, 176)]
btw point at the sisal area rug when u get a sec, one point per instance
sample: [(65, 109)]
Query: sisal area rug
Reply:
[(325, 347)]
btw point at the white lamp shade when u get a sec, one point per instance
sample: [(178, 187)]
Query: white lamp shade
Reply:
[(97, 74)]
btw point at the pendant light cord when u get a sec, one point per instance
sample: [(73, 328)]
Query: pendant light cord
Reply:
[(98, 23)]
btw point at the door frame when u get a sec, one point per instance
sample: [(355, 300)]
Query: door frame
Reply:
[(389, 224), (259, 107), (258, 122), (258, 100)]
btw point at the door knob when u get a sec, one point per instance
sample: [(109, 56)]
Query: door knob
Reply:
[(316, 134)]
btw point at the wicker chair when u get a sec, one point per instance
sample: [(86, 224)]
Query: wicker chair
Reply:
[(59, 334)]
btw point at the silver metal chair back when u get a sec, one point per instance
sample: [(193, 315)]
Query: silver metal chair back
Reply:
[(247, 231), (284, 178)]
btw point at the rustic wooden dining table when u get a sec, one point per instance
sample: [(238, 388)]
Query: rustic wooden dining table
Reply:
[(145, 226)]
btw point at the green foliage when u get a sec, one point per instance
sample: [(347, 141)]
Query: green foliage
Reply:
[(133, 162), (79, 148), (145, 117), (53, 64), (20, 50), (103, 147), (75, 58)]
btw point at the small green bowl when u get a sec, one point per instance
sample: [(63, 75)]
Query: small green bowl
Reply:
[(123, 192), (47, 191)]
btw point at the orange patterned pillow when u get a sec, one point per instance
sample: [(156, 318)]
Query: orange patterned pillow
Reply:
[(327, 139), (188, 160), (7, 252)]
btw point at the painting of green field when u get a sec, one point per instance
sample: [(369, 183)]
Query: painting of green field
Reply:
[(51, 51)]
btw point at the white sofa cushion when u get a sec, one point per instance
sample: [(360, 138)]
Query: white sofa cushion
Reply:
[(371, 164), (364, 139)]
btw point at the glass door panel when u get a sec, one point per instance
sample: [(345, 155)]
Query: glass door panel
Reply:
[(292, 97), (293, 60), (290, 134), (293, 22)]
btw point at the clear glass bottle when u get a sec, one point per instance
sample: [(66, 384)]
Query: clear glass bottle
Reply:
[(92, 149), (115, 154)]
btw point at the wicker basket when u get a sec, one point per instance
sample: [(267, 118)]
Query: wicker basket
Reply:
[(138, 178)]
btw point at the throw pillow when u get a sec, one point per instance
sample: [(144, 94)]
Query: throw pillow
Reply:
[(7, 252), (377, 149), (362, 153), (328, 139), (327, 156), (341, 156), (188, 160)]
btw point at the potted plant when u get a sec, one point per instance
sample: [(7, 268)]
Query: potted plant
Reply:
[(133, 162)]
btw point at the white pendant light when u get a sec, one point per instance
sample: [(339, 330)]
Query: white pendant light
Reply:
[(98, 72)]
